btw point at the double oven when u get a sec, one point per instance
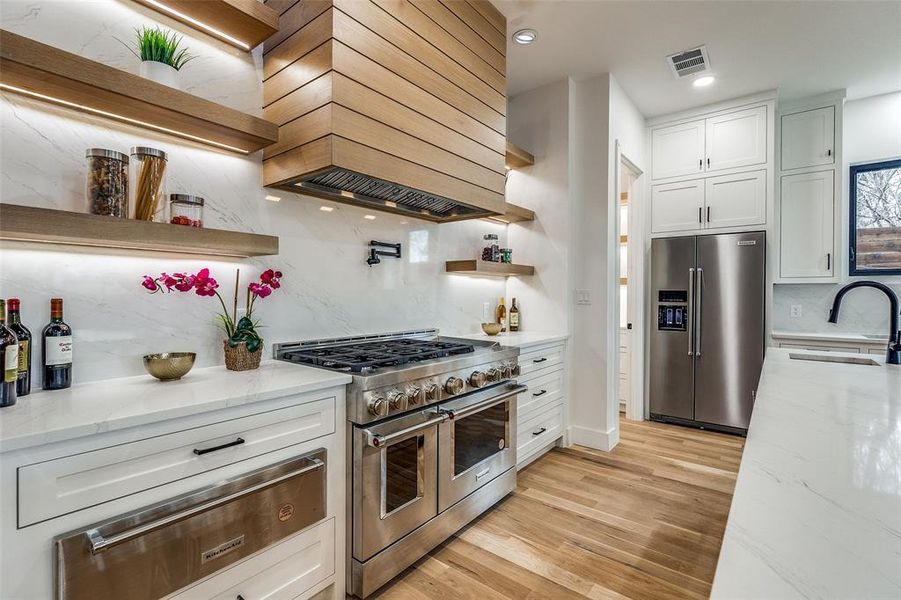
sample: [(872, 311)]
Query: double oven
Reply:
[(411, 470)]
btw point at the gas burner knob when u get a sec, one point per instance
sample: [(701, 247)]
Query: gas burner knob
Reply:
[(431, 392), (514, 370), (397, 400), (454, 385), (477, 379), (507, 370), (377, 406), (494, 375), (414, 395)]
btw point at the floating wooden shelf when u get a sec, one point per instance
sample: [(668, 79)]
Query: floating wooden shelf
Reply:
[(40, 71), (513, 214), (29, 224), (624, 197), (517, 157), (481, 267), (623, 281), (624, 239), (244, 24)]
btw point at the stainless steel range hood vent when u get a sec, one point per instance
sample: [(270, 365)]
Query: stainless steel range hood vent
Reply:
[(343, 185)]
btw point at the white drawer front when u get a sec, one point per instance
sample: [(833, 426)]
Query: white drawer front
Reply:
[(539, 431), (540, 358), (542, 391), (281, 572), (60, 486)]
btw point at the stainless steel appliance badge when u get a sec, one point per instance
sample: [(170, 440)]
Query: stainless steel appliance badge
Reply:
[(221, 550)]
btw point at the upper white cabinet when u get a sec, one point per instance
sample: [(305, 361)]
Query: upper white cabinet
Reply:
[(807, 223), (808, 138), (677, 206), (727, 141), (678, 150), (735, 200), (736, 139)]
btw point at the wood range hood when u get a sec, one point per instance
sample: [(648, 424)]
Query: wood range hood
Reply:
[(395, 105)]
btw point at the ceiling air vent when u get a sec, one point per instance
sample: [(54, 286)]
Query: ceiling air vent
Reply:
[(689, 62)]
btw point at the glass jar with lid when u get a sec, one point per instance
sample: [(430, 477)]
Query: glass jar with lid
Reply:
[(490, 250), (106, 185), (186, 210), (148, 189)]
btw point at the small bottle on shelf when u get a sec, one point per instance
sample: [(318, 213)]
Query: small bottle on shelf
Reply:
[(57, 346), (500, 314), (9, 359), (23, 379), (514, 316)]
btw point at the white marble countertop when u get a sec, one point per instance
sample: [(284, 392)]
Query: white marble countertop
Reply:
[(521, 339), (832, 336), (100, 406), (817, 505)]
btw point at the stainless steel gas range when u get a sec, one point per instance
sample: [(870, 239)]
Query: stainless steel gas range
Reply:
[(432, 435)]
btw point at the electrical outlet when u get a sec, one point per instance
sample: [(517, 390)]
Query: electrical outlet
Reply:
[(583, 297), (795, 312)]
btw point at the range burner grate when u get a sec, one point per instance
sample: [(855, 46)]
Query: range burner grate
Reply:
[(363, 357)]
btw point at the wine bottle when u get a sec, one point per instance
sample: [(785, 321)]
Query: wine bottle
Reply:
[(514, 317), (23, 379), (57, 346), (500, 314), (9, 360)]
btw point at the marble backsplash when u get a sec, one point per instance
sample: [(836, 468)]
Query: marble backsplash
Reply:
[(328, 290), (863, 310)]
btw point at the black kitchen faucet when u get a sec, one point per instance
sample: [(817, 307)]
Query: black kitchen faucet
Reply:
[(893, 356)]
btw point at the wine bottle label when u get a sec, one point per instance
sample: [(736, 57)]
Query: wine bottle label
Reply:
[(23, 356), (11, 364), (59, 351), (514, 319)]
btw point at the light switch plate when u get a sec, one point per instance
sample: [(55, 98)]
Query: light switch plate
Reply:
[(795, 311)]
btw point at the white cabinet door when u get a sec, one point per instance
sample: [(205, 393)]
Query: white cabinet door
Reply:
[(808, 138), (678, 150), (735, 200), (806, 231), (736, 139), (677, 206)]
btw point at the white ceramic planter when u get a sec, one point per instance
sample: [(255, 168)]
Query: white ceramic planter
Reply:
[(160, 73)]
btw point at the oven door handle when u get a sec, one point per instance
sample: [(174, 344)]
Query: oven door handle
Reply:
[(378, 440), (99, 543), (459, 413)]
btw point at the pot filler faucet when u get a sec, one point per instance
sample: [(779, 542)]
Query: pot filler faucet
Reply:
[(893, 356)]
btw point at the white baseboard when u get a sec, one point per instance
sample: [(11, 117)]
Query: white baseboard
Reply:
[(594, 438)]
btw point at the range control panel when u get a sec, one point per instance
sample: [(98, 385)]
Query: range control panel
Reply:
[(672, 310)]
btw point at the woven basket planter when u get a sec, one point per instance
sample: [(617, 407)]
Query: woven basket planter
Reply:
[(239, 359)]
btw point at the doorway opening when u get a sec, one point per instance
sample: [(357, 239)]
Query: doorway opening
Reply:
[(630, 388)]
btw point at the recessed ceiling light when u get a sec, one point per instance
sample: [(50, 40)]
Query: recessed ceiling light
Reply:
[(703, 81), (369, 217), (271, 198), (326, 208), (525, 36)]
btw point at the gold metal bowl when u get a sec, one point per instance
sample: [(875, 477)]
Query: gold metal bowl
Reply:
[(169, 366), (491, 328)]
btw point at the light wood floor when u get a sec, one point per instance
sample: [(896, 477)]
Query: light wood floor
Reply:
[(644, 521)]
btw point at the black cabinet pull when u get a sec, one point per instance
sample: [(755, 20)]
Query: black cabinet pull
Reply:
[(540, 431), (829, 152), (200, 452), (700, 164), (539, 360), (708, 162), (700, 218), (708, 214), (828, 261), (541, 393)]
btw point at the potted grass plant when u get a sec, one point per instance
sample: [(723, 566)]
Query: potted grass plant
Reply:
[(162, 55)]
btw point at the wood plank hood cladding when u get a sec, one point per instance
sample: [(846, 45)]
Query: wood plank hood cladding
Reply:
[(245, 23), (409, 92), (47, 73)]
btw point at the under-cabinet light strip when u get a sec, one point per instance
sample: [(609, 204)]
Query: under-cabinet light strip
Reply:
[(118, 117), (201, 25)]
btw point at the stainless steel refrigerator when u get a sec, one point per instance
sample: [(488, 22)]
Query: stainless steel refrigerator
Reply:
[(707, 328)]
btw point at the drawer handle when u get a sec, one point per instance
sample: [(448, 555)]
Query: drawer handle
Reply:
[(540, 431), (201, 452), (541, 393), (481, 474), (539, 360)]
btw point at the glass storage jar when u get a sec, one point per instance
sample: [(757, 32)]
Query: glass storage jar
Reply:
[(148, 189), (186, 210), (106, 185)]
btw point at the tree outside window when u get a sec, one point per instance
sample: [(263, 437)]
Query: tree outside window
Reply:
[(876, 218)]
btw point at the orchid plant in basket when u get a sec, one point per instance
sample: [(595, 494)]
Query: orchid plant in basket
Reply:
[(236, 330)]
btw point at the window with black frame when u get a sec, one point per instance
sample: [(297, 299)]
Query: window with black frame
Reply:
[(876, 218)]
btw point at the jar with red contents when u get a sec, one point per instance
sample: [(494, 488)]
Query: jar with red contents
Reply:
[(186, 210)]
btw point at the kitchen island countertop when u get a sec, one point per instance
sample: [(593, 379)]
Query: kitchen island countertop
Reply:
[(108, 405), (816, 511)]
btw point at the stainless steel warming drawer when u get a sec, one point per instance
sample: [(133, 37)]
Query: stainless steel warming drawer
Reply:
[(157, 550)]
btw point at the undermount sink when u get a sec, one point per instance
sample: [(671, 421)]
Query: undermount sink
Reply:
[(850, 360)]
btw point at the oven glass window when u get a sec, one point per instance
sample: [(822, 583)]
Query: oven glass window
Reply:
[(402, 472), (479, 436)]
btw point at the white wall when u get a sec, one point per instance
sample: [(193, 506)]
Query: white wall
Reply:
[(328, 289), (872, 132)]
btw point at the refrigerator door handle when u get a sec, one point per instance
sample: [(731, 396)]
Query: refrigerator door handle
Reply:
[(699, 280), (691, 316)]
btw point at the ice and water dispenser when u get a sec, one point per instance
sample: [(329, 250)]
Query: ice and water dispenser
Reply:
[(672, 310)]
